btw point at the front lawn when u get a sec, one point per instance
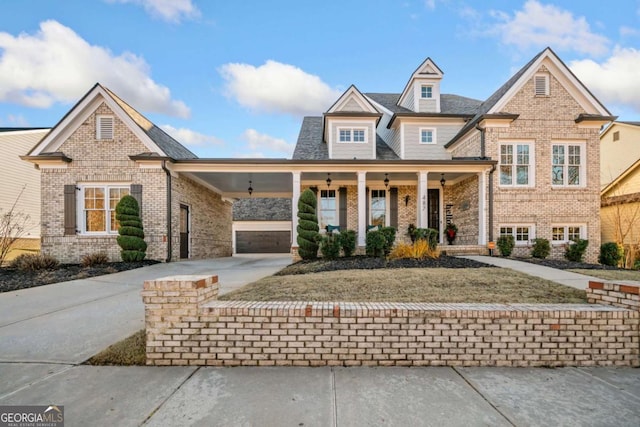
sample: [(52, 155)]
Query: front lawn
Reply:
[(610, 274)]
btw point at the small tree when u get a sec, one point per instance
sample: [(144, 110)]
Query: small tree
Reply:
[(541, 248), (348, 242), (13, 226), (575, 250), (308, 235), (610, 254), (506, 245), (131, 233), (375, 243), (330, 246)]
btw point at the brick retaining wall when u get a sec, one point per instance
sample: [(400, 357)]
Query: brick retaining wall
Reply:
[(186, 325), (625, 295)]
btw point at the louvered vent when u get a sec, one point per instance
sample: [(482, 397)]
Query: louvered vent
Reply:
[(104, 127), (542, 85)]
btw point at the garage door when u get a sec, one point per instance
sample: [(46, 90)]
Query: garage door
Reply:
[(253, 242)]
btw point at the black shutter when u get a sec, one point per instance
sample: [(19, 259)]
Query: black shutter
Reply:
[(342, 215), (70, 210), (136, 193), (366, 199), (393, 208)]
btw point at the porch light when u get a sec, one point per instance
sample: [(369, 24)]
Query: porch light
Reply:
[(386, 180), (442, 180), (328, 180), (250, 189)]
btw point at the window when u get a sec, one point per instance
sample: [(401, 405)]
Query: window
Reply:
[(566, 233), (427, 136), (104, 127), (328, 208), (378, 207), (616, 135), (541, 83), (567, 161), (426, 91), (351, 135), (521, 233), (98, 208), (515, 161)]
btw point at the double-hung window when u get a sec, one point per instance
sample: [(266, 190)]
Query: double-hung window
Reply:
[(427, 136), (351, 135), (379, 207), (328, 208), (566, 233), (98, 206), (426, 91), (516, 165), (567, 168), (522, 234)]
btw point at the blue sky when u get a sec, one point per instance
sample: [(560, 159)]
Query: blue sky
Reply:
[(234, 79)]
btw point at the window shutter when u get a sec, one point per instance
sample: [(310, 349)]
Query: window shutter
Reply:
[(541, 85), (104, 127), (70, 210), (366, 219), (136, 193), (393, 207), (342, 215)]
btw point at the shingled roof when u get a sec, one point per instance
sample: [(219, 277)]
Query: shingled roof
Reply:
[(449, 104)]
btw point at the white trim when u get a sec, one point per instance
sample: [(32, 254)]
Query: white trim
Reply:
[(319, 201), (532, 163), (353, 92), (81, 219), (582, 226), (514, 233), (583, 163), (426, 85), (295, 178), (433, 131), (546, 90), (387, 210), (362, 213), (351, 130), (99, 126)]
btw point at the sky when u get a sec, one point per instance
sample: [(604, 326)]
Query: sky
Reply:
[(235, 78)]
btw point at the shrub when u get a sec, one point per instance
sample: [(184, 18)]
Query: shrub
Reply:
[(330, 246), (348, 242), (541, 248), (34, 262), (575, 251), (420, 249), (96, 258), (610, 254), (506, 245), (308, 235), (131, 233), (375, 243), (428, 234), (389, 234), (411, 231)]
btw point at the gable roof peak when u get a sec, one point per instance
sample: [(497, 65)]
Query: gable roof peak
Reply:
[(352, 93)]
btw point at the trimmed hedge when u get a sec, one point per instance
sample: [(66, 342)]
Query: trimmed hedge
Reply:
[(131, 233)]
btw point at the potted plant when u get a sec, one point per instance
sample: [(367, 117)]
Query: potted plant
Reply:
[(451, 232)]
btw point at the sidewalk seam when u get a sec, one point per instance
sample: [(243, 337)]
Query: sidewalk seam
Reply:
[(157, 408), (37, 381), (483, 396), (583, 372), (335, 397)]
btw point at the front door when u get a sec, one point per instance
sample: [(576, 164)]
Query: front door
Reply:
[(434, 209), (184, 231)]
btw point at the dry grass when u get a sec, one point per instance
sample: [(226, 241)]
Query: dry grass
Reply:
[(420, 249), (478, 285), (610, 274), (130, 351)]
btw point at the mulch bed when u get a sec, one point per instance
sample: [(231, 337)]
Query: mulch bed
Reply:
[(370, 263), (561, 264), (13, 280)]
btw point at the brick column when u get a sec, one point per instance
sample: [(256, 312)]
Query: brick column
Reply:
[(170, 303)]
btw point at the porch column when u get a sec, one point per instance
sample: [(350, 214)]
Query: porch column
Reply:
[(362, 208), (482, 215), (423, 201), (294, 209)]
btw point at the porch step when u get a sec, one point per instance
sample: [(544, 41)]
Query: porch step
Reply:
[(454, 250)]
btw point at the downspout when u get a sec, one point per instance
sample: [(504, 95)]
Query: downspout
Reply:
[(482, 144), (169, 231)]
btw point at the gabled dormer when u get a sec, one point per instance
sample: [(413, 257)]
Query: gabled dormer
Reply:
[(350, 127), (422, 92)]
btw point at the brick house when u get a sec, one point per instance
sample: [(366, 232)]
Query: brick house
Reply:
[(523, 162)]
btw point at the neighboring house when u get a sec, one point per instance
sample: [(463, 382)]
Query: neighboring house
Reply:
[(524, 162), (21, 181), (262, 225), (619, 150)]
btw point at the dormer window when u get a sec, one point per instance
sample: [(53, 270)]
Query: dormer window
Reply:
[(426, 91), (541, 84), (352, 135), (104, 127), (427, 136)]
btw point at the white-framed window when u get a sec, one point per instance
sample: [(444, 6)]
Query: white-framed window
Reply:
[(563, 233), (522, 233), (378, 208), (97, 207), (541, 84), (328, 203), (104, 127), (516, 165), (352, 135), (568, 164), (427, 136), (426, 91)]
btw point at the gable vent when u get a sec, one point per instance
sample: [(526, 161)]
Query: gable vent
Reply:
[(104, 127), (541, 83)]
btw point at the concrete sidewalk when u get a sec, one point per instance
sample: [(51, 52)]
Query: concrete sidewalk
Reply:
[(567, 278)]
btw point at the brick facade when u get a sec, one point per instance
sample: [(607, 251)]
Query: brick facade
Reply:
[(187, 326)]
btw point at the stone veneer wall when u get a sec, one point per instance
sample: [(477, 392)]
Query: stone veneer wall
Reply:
[(187, 326), (464, 198)]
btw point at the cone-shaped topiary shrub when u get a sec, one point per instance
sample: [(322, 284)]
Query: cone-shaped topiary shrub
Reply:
[(308, 235), (131, 233)]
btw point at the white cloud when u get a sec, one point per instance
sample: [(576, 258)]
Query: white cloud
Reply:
[(57, 65), (430, 4), (190, 137), (629, 32), (277, 87), (539, 25), (258, 142), (614, 80), (14, 120), (168, 10), (252, 155)]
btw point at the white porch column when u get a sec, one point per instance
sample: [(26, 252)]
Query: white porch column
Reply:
[(294, 209), (423, 201), (362, 208), (482, 215)]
